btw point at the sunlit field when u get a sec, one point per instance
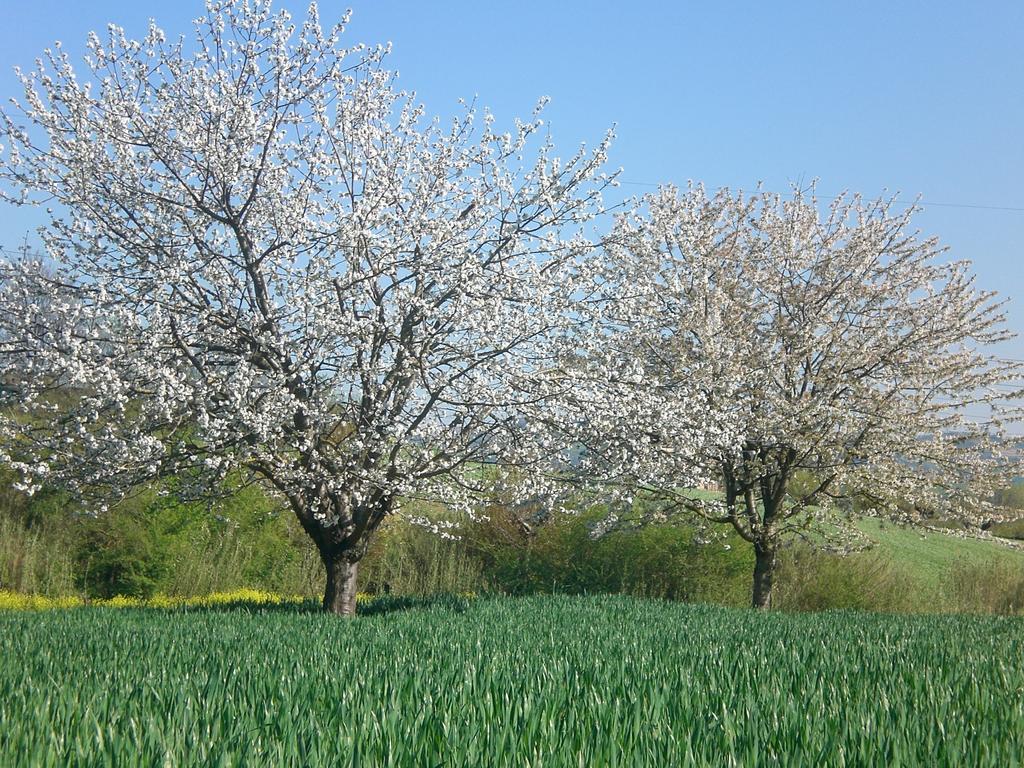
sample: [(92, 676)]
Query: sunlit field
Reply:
[(544, 681)]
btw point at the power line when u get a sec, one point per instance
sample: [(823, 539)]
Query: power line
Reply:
[(23, 252)]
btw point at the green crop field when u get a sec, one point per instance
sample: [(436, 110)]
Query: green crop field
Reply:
[(545, 681)]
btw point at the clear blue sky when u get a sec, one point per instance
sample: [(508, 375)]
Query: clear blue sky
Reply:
[(924, 98)]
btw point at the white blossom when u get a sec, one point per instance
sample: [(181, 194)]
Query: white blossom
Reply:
[(754, 342), (265, 258)]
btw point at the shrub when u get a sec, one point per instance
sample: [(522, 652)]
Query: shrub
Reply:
[(407, 559), (810, 580), (662, 561), (1012, 529), (1011, 496), (36, 550), (993, 587)]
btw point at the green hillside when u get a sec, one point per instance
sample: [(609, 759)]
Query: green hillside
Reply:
[(931, 555)]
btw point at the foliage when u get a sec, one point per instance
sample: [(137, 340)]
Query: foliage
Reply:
[(407, 559), (36, 559), (155, 543), (545, 681), (565, 556), (811, 580), (1011, 529), (151, 542), (251, 546), (993, 586), (1011, 496)]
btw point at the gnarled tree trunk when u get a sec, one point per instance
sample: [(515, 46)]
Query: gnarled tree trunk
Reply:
[(764, 575), (340, 592), (341, 541)]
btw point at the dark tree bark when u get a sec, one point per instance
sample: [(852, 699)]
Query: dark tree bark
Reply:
[(340, 593), (764, 575), (755, 500), (342, 545)]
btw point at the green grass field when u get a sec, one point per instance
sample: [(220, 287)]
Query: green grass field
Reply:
[(929, 555), (543, 681)]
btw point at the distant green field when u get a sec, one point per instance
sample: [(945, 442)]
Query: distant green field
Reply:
[(929, 555), (543, 681)]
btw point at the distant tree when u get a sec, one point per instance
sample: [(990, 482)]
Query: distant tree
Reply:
[(761, 341), (262, 257)]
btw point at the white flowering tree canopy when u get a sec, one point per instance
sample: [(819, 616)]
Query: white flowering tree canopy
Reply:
[(791, 354), (263, 257)]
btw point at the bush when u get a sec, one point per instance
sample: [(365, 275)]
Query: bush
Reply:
[(244, 540), (36, 550), (1013, 529), (119, 555), (809, 580), (152, 543), (993, 587), (657, 560), (1011, 497), (407, 559), (35, 560)]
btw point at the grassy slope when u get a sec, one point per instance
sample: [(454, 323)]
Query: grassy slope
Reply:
[(929, 555)]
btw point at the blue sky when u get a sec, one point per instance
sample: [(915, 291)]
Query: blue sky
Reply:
[(923, 98)]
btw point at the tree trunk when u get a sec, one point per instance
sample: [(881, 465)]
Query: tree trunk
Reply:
[(340, 593), (764, 576)]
